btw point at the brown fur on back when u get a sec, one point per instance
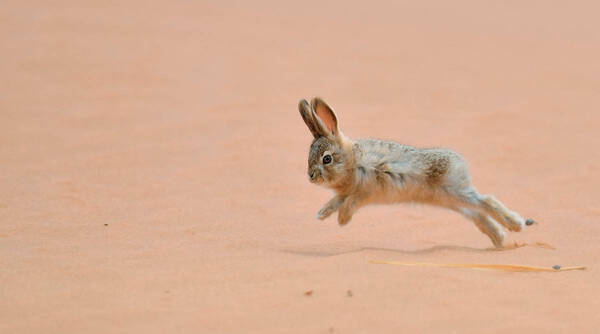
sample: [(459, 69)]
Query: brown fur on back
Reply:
[(437, 166)]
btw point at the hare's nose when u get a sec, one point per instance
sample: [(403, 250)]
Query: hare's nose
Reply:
[(311, 174)]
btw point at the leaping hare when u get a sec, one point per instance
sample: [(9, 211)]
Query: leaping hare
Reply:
[(368, 171)]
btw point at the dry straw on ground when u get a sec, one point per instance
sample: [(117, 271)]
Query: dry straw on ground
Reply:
[(499, 267)]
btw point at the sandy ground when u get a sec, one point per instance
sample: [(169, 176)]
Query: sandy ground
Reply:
[(153, 165)]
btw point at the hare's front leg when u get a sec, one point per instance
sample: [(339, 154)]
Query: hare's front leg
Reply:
[(330, 207), (348, 208)]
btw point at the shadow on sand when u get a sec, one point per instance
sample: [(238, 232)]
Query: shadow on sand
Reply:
[(428, 250)]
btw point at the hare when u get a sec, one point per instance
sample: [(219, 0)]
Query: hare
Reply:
[(367, 171)]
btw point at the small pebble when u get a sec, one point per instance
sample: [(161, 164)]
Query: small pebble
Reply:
[(556, 267), (349, 293), (105, 224), (308, 293), (529, 222)]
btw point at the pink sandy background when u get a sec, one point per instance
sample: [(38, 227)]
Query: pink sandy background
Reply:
[(153, 165)]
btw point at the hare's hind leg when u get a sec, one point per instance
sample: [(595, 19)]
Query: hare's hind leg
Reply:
[(493, 207), (486, 225), (514, 221)]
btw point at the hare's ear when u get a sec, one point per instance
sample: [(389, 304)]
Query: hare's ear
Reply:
[(307, 116), (326, 117)]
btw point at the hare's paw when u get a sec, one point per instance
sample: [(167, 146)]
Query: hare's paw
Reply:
[(347, 209), (330, 207), (324, 212), (344, 218), (516, 222)]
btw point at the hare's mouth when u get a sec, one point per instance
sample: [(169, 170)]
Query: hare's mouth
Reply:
[(317, 179)]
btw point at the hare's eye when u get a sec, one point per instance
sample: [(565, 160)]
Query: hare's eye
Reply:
[(327, 159)]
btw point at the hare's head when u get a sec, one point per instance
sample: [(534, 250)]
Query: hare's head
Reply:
[(330, 157)]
